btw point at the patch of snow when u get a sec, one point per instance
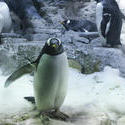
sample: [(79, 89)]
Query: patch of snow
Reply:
[(99, 92), (12, 98)]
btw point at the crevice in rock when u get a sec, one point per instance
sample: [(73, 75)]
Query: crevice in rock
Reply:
[(40, 9)]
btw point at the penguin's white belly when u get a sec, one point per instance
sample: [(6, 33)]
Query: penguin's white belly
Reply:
[(99, 15), (5, 18), (50, 81), (1, 23)]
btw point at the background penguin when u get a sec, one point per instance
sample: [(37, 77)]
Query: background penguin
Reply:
[(6, 25), (50, 78), (109, 21), (79, 25), (5, 18)]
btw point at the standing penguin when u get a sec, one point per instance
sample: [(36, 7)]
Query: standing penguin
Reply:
[(109, 22), (50, 78)]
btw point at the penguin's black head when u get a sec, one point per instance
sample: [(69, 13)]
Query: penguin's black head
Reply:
[(98, 1), (71, 24), (66, 24), (53, 46)]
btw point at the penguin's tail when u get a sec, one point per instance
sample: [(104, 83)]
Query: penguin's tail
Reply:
[(30, 99)]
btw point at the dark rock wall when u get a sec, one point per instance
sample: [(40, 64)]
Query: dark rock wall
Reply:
[(40, 19), (44, 11), (23, 8)]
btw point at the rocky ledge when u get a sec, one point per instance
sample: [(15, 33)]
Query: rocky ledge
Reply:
[(90, 55)]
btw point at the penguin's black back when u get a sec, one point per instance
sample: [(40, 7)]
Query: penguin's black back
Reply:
[(80, 25)]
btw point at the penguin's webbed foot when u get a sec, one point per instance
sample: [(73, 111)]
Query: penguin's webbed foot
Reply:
[(59, 115), (107, 45), (56, 114)]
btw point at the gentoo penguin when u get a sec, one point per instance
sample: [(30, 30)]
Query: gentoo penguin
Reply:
[(109, 21), (50, 78), (5, 18), (79, 25)]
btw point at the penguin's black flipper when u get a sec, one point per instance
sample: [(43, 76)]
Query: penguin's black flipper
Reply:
[(105, 21), (20, 72), (30, 99)]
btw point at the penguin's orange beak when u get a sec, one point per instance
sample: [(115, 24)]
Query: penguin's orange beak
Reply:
[(54, 46)]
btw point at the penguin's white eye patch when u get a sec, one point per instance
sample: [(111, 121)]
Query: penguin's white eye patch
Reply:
[(68, 21), (60, 42), (48, 41), (53, 41)]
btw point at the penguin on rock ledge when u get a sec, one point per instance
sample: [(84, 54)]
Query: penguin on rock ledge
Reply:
[(109, 22)]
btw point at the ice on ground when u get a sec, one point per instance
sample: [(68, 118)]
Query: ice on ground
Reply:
[(99, 92), (11, 98)]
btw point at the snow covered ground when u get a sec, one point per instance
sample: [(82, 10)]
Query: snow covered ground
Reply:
[(11, 98), (99, 92)]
